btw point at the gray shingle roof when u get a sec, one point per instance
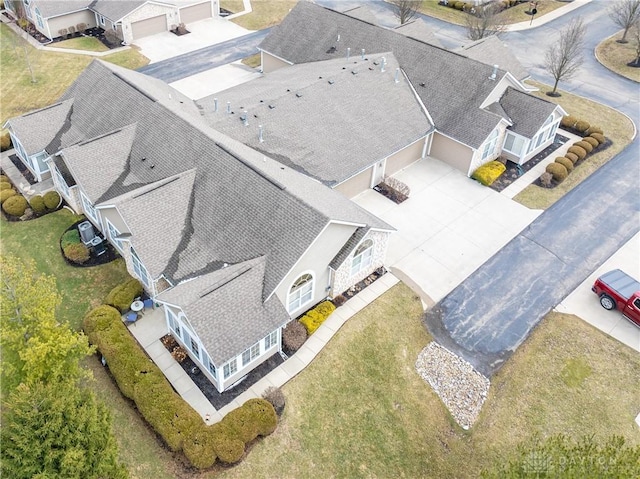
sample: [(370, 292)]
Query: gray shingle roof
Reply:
[(225, 307), (38, 129), (346, 250), (527, 112), (115, 10), (350, 107), (419, 30), (362, 13), (54, 8), (493, 51), (454, 86)]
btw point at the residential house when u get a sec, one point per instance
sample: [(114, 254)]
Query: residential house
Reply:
[(129, 20), (477, 109), (232, 243)]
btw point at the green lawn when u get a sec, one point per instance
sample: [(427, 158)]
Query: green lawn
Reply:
[(265, 13), (83, 43), (616, 126), (53, 72)]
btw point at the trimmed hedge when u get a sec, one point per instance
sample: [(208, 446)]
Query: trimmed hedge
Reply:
[(5, 185), (558, 171), (581, 153), (6, 194), (566, 162), (5, 141), (599, 137), (76, 253), (582, 126), (568, 121), (489, 172), (572, 156), (123, 295), (593, 129), (592, 141), (15, 205), (584, 145), (37, 204), (51, 200), (314, 318), (170, 416)]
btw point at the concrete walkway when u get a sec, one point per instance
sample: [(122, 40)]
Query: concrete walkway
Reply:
[(152, 326), (548, 17), (19, 181)]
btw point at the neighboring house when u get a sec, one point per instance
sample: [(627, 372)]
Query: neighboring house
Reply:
[(230, 242), (128, 19), (472, 104)]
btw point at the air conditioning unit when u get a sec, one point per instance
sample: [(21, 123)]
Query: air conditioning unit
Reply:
[(86, 232)]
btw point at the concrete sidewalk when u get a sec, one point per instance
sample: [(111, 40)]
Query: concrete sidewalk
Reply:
[(539, 21)]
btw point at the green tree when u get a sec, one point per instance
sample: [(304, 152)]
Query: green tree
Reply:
[(35, 346), (57, 430), (560, 456)]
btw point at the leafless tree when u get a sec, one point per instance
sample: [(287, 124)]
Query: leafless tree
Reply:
[(635, 38), (405, 10), (484, 21), (18, 9), (564, 57), (625, 13)]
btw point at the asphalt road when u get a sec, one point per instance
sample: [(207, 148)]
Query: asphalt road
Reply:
[(174, 69)]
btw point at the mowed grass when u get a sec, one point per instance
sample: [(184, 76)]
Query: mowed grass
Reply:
[(515, 14), (361, 410), (53, 72), (81, 288), (615, 56), (265, 13), (82, 43), (616, 126)]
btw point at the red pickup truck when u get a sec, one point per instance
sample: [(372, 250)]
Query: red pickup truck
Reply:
[(618, 290)]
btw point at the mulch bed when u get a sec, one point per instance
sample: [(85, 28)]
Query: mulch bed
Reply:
[(390, 193), (22, 169), (110, 254), (356, 288), (219, 400), (514, 171)]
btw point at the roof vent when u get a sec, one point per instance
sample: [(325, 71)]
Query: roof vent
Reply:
[(331, 82), (423, 84), (348, 53), (271, 107), (228, 107), (143, 158), (362, 53), (215, 105), (338, 39), (383, 64), (298, 95), (152, 166), (397, 78), (353, 72), (224, 265), (494, 73), (245, 118), (260, 138)]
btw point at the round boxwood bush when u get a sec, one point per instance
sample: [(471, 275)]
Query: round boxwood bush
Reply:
[(558, 171), (5, 185), (4, 178), (566, 162), (581, 153), (15, 205), (51, 200), (599, 137), (6, 194), (228, 449), (37, 204), (5, 141), (584, 145), (582, 126), (568, 121), (593, 129), (592, 141), (293, 336), (572, 156), (77, 253)]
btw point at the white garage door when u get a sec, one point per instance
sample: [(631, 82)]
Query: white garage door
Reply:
[(195, 12), (150, 26)]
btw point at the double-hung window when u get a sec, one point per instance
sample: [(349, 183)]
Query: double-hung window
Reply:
[(113, 233), (89, 209), (271, 340), (230, 368), (139, 269), (490, 145), (250, 354)]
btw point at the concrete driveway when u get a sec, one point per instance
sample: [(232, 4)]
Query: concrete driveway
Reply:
[(203, 34), (583, 303), (448, 227)]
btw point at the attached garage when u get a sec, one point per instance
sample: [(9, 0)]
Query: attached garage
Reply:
[(195, 12), (356, 184), (149, 26), (404, 157)]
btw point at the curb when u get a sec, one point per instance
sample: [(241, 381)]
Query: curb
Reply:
[(595, 54)]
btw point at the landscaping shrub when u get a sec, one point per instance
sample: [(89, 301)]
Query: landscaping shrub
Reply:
[(4, 178), (592, 141), (572, 156), (568, 121), (72, 29), (566, 162), (584, 145), (37, 205), (15, 205), (339, 300), (123, 295), (100, 319), (581, 153), (76, 253), (276, 397), (5, 185), (293, 336), (489, 172), (228, 449), (70, 237), (582, 126), (593, 129), (315, 317), (5, 141), (6, 194), (81, 27), (63, 32), (51, 200), (558, 172), (599, 137), (199, 448), (545, 179)]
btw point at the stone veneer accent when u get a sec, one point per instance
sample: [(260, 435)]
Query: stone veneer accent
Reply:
[(342, 279)]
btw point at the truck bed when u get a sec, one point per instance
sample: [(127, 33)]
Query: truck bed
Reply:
[(621, 283)]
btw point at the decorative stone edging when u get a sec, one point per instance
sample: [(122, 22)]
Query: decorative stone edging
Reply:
[(460, 387)]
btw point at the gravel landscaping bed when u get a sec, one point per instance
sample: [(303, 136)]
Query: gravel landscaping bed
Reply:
[(462, 389)]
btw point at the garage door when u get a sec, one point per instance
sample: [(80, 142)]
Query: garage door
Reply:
[(404, 158), (150, 26), (195, 12), (356, 185)]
